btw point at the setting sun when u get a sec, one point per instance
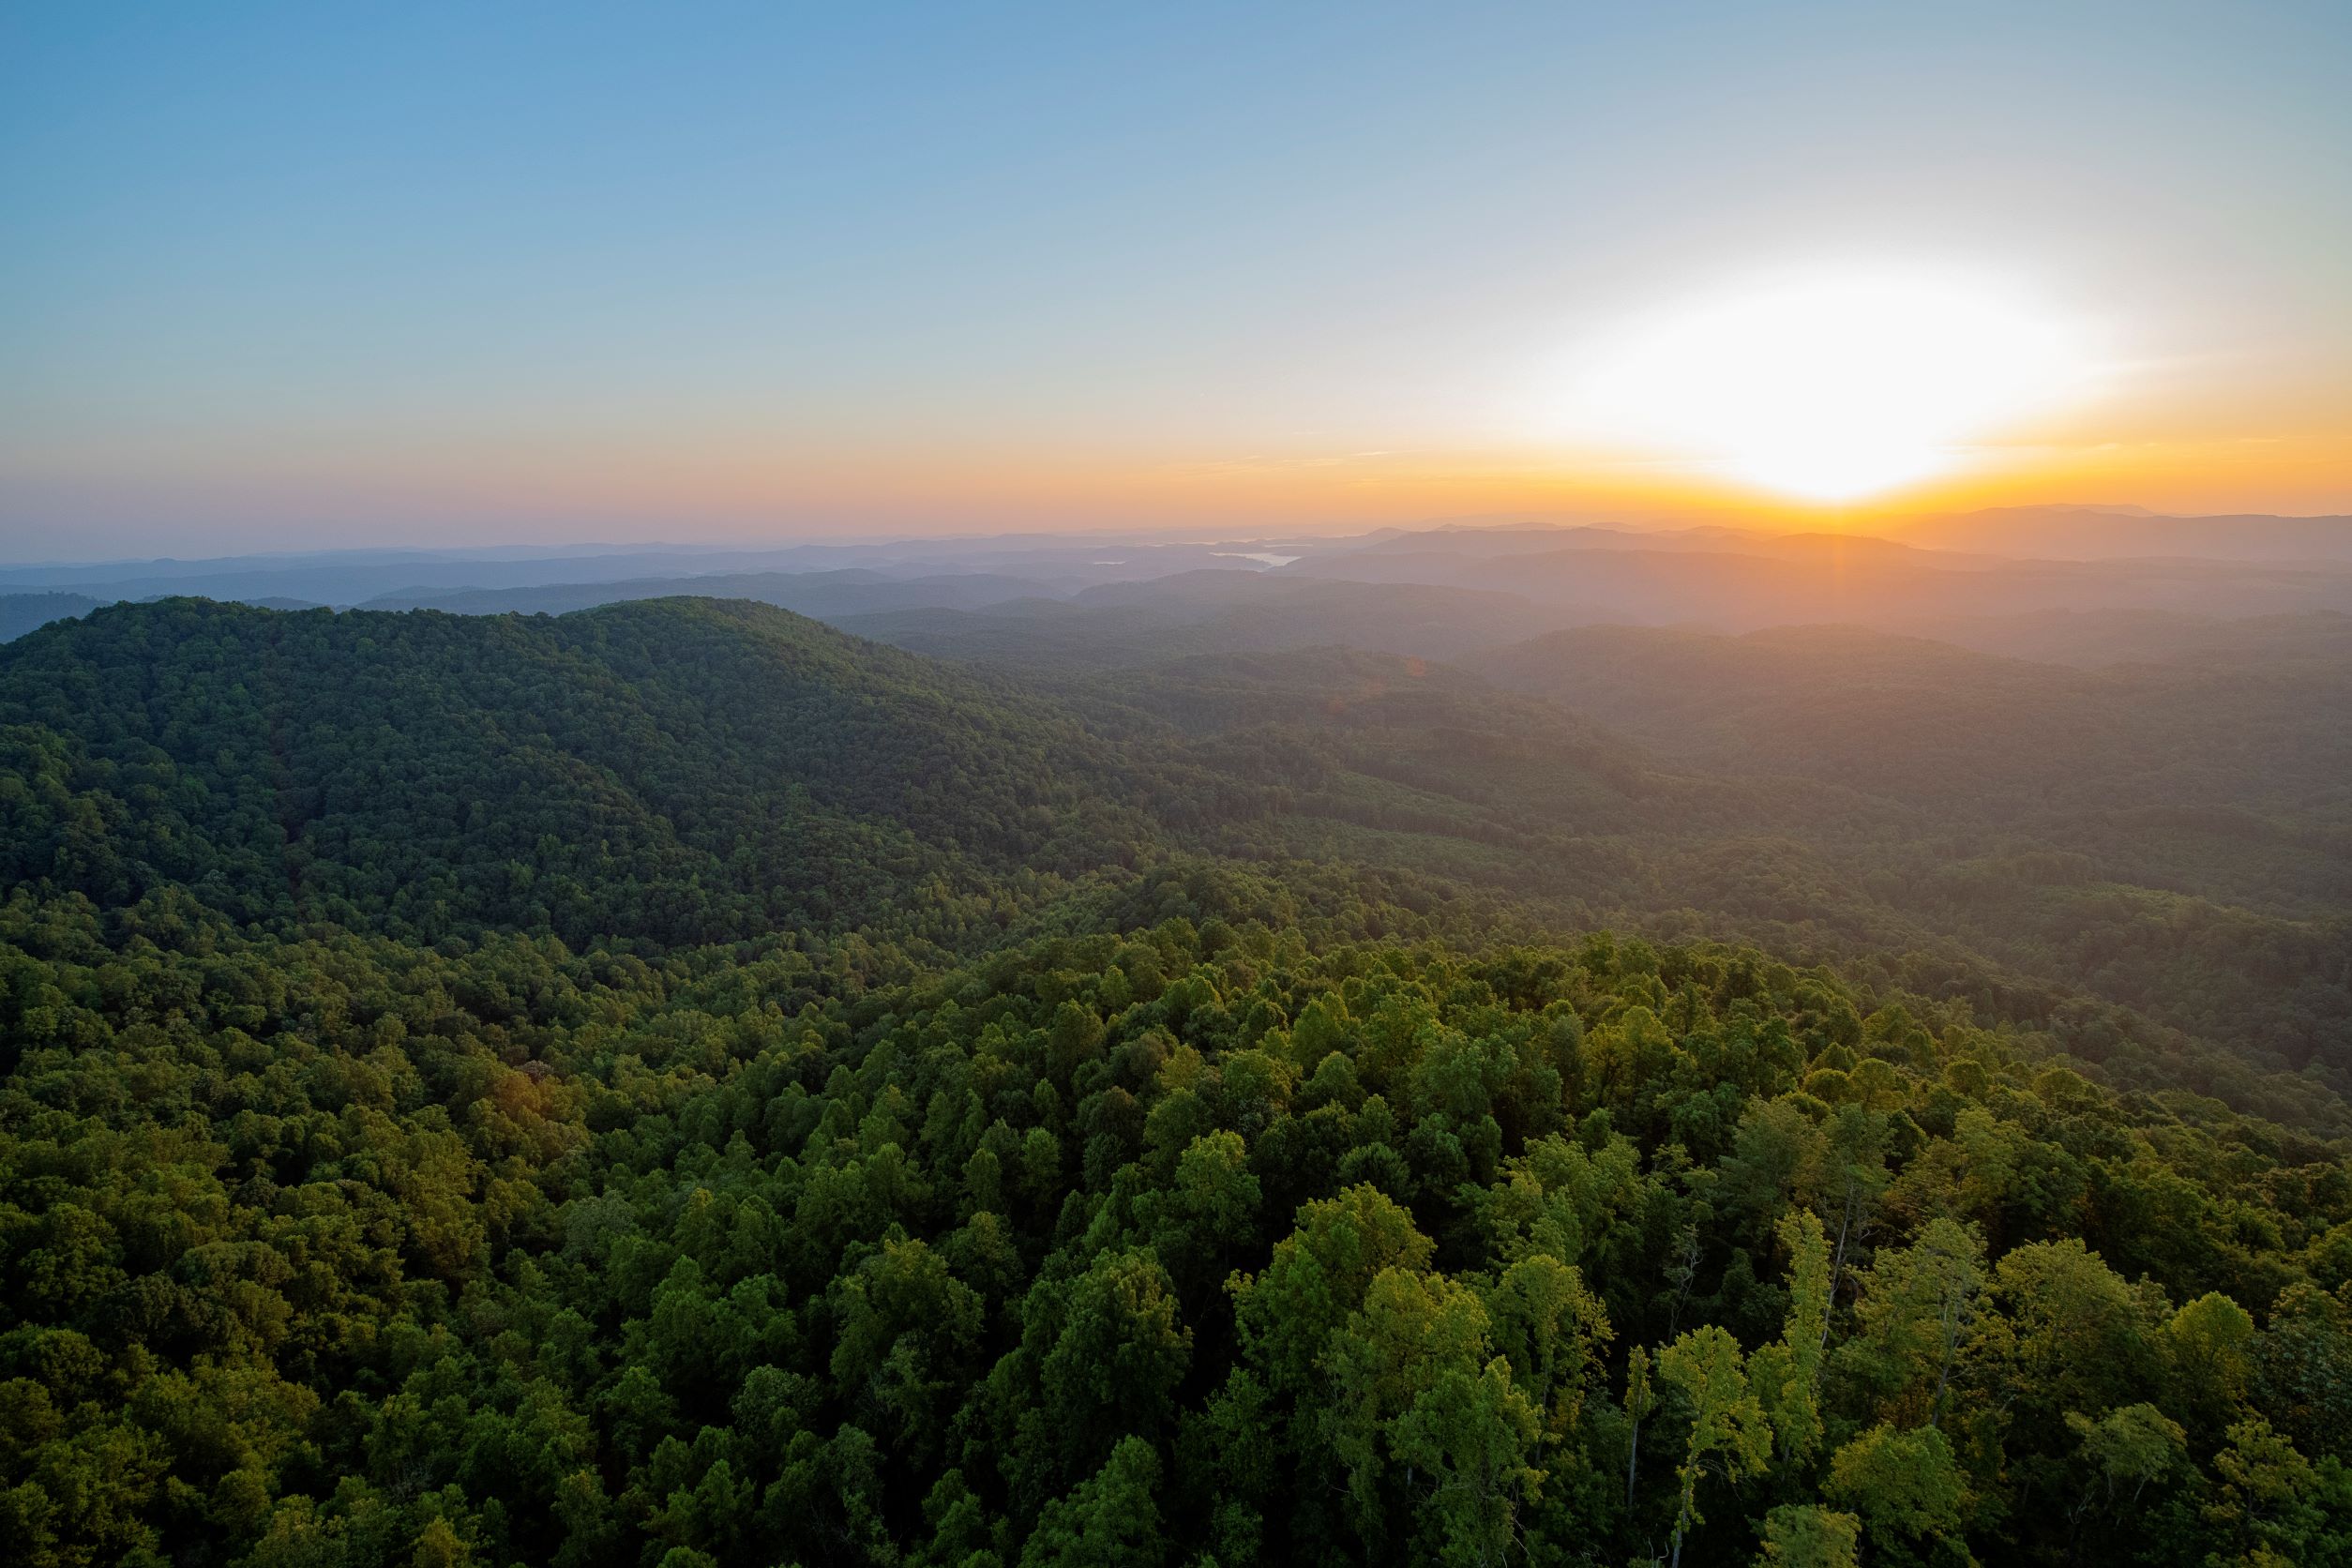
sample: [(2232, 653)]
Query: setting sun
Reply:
[(1832, 388)]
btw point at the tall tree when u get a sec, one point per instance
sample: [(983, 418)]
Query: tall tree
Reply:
[(1916, 1308), (1730, 1434), (1787, 1374)]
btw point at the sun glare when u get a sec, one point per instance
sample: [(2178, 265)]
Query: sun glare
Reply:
[(1830, 388)]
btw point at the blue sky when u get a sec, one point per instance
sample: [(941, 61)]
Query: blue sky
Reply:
[(414, 273)]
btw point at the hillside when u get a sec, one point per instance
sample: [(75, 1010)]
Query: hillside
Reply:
[(2095, 638), (1741, 584), (2096, 533), (679, 770), (675, 1083), (1930, 721), (820, 595), (687, 771), (2168, 835), (1194, 613)]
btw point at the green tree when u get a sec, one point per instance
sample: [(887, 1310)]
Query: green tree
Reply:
[(1805, 1535), (1914, 1314), (1120, 1350), (1905, 1484), (1419, 1414), (2274, 1506), (1318, 1274), (1551, 1333), (1730, 1434), (1787, 1374), (2123, 1450), (1110, 1521)]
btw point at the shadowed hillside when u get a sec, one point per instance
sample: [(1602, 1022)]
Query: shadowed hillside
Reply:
[(682, 770)]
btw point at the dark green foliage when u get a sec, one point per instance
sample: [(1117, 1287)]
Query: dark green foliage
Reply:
[(1232, 1213), (331, 1245), (679, 771), (2167, 832)]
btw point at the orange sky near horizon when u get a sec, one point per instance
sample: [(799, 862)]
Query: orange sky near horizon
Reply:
[(708, 495)]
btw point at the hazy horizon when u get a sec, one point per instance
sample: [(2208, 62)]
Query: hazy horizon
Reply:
[(19, 555)]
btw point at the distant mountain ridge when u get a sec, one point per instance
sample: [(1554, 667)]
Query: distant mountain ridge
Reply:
[(2060, 532), (347, 578), (24, 613), (1808, 579), (2106, 534), (847, 591), (1444, 591)]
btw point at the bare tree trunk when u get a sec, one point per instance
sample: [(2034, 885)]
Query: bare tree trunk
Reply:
[(1955, 1313), (1682, 1517), (1837, 1261), (1684, 1274)]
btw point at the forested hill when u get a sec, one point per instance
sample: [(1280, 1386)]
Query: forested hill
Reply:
[(673, 1085), (674, 772), (681, 771), (1917, 720)]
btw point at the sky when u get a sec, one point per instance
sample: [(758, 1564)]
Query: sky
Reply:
[(325, 275)]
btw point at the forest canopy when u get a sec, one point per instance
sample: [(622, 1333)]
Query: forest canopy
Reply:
[(673, 1085)]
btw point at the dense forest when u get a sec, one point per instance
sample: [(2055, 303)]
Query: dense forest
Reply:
[(676, 1085)]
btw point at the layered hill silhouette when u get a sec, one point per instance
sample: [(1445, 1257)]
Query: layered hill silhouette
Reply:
[(680, 771), (1744, 584), (2109, 533)]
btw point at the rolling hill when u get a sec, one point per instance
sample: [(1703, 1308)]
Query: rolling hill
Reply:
[(677, 770), (673, 1082), (1198, 612)]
